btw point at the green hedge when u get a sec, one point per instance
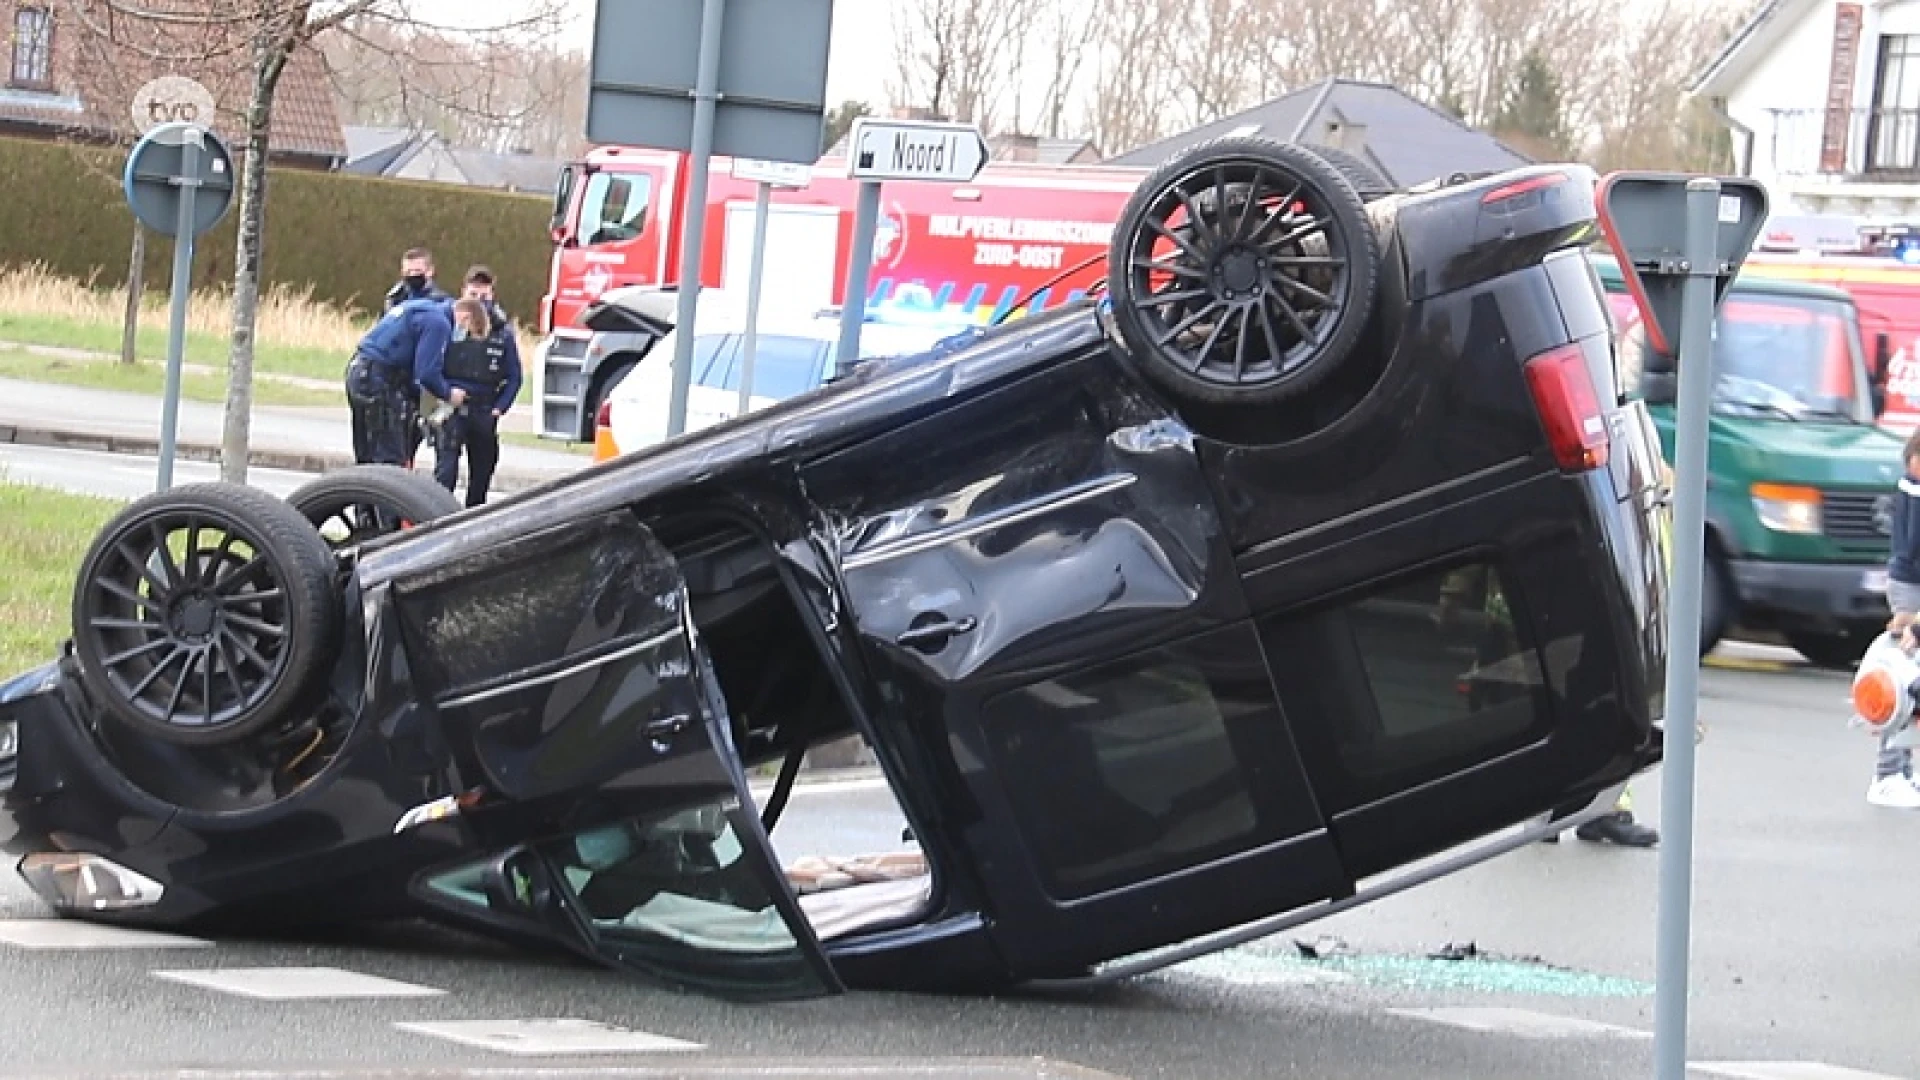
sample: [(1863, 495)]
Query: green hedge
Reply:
[(341, 234)]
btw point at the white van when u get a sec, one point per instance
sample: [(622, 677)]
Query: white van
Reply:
[(793, 353)]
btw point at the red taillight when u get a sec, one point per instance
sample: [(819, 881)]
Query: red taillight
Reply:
[(1523, 187), (604, 418), (1569, 408)]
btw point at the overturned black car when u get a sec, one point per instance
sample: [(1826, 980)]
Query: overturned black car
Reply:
[(1318, 543)]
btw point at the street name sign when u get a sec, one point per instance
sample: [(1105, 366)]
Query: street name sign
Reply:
[(915, 150)]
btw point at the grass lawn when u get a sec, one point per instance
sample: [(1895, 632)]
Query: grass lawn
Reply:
[(43, 536), (521, 438), (151, 345), (151, 378)]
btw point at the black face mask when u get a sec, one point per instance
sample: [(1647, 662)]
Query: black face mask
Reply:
[(416, 282)]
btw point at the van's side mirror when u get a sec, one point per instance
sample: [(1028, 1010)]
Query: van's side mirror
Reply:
[(1882, 366)]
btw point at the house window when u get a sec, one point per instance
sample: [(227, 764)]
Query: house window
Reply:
[(33, 47), (1896, 98)]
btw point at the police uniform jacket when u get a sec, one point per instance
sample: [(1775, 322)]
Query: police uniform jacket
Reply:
[(411, 340), (488, 366)]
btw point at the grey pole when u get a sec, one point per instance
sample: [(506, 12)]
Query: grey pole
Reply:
[(694, 213), (853, 313), (1695, 363), (189, 182), (761, 209)]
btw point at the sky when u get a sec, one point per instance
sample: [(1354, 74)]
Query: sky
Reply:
[(859, 62)]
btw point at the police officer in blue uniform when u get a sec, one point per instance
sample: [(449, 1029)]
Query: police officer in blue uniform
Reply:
[(405, 350), (416, 279), (483, 375)]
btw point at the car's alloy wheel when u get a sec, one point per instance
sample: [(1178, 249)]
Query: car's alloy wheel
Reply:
[(354, 505), (202, 614), (1243, 272)]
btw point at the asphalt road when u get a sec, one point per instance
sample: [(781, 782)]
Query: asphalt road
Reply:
[(1802, 955), (121, 476)]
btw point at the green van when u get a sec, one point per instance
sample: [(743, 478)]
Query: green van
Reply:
[(1799, 477)]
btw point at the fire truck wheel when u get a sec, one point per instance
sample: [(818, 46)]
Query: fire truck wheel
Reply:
[(1242, 273)]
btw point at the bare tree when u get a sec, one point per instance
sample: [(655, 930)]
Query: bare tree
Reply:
[(1133, 84), (495, 93), (111, 55), (1646, 122), (1069, 31), (268, 34), (952, 56)]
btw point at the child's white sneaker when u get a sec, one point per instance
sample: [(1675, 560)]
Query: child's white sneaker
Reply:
[(1897, 792)]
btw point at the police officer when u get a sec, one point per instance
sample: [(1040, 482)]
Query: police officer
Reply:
[(416, 279), (405, 350), (483, 376)]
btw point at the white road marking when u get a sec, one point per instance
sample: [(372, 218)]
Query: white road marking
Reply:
[(557, 1035), (73, 934), (1783, 1070), (1521, 1022), (296, 983)]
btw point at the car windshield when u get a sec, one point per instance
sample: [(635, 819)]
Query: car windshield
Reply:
[(1777, 357), (1789, 357)]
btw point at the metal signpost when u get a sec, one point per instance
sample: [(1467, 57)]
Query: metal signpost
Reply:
[(1680, 289), (881, 150), (766, 176), (741, 78), (179, 182)]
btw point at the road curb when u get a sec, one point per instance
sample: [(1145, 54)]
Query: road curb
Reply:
[(505, 480)]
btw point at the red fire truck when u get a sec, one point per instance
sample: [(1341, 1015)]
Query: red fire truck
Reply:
[(974, 250)]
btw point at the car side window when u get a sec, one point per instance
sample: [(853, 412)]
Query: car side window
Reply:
[(783, 366), (1416, 679), (614, 208), (711, 356)]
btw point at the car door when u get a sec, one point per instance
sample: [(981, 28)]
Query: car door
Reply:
[(1047, 604), (582, 725)]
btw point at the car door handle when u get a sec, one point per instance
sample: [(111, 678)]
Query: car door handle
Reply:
[(932, 635), (661, 730)]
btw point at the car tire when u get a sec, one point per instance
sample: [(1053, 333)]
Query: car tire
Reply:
[(1260, 311), (1368, 182), (236, 627), (1715, 603), (1839, 650), (370, 501)]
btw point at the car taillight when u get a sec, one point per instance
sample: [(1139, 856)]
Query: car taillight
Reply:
[(1511, 196), (1569, 408), (604, 446)]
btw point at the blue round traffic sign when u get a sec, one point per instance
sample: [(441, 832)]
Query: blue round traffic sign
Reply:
[(175, 163)]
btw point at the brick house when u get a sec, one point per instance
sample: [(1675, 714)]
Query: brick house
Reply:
[(74, 67)]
